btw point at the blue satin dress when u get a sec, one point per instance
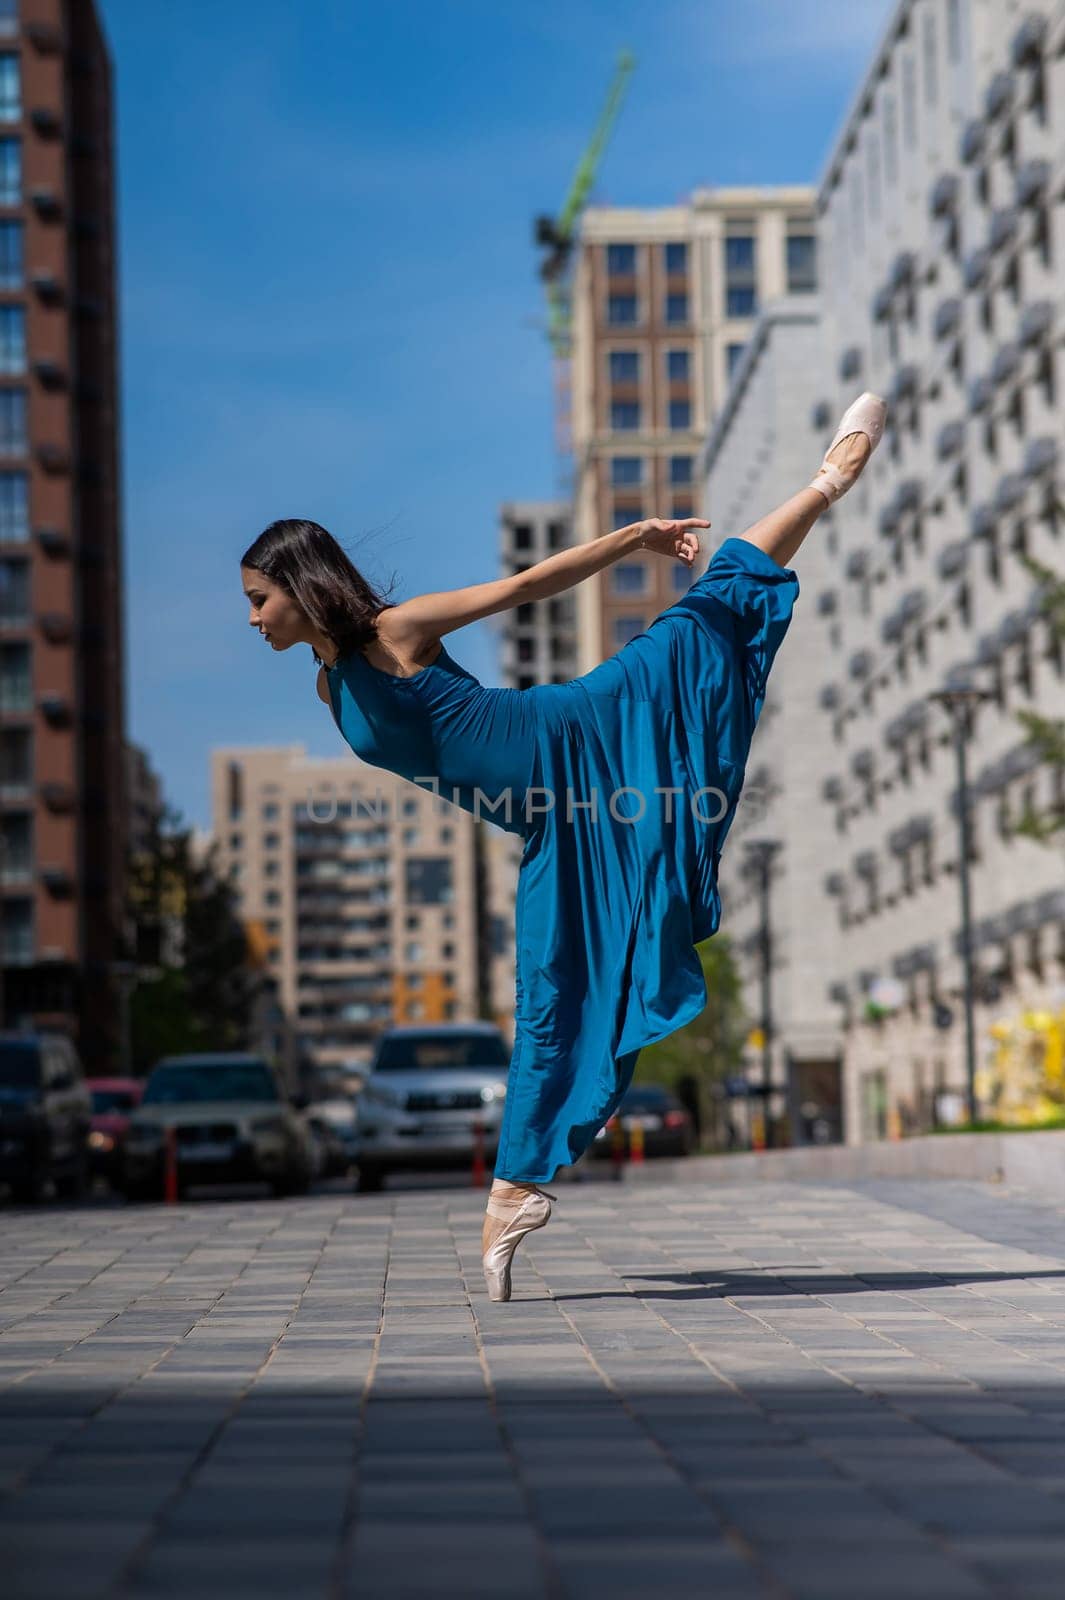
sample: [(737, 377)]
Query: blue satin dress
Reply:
[(623, 784)]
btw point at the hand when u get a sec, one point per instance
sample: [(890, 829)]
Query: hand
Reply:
[(672, 538)]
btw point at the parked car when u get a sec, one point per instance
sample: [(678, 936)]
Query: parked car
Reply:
[(113, 1102), (665, 1123), (233, 1122), (45, 1116), (428, 1088), (332, 1122)]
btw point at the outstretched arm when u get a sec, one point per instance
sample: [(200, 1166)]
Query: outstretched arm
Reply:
[(428, 616)]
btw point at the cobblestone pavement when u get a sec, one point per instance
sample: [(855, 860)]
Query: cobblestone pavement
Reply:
[(780, 1391)]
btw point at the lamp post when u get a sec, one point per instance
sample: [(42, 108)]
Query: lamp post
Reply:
[(760, 856), (960, 705)]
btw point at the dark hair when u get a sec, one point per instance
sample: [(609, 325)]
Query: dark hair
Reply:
[(311, 567)]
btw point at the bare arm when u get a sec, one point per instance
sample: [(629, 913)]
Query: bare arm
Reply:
[(431, 615)]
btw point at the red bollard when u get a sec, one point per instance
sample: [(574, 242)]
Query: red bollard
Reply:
[(477, 1169), (170, 1183)]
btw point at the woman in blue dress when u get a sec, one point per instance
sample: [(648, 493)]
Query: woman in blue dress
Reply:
[(621, 783)]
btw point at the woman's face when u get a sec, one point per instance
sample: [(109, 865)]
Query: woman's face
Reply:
[(276, 615)]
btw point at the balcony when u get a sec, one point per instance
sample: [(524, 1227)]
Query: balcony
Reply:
[(50, 374), (828, 699), (1033, 181), (53, 459), (947, 318), (1037, 323), (1004, 225), (57, 627), (856, 565), (1009, 492), (1026, 46), (943, 198), (952, 559), (46, 122), (59, 798), (1006, 363), (47, 204), (998, 99), (56, 709), (834, 884), (975, 270), (1040, 457), (47, 287), (949, 440), (980, 392), (53, 541), (973, 140), (860, 664), (850, 362), (59, 881)]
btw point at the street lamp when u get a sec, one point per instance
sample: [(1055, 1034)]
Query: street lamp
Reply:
[(760, 856), (960, 705)]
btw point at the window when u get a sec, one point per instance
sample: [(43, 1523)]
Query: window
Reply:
[(678, 366), (625, 470), (676, 257), (8, 16), (733, 353), (12, 339), (628, 577), (17, 854), (429, 880), (12, 422), (931, 74), (801, 257), (16, 689), (624, 366), (740, 302), (14, 591), (557, 537), (624, 515), (680, 415), (18, 930), (526, 648), (270, 811), (11, 267), (621, 310), (14, 508), (10, 172), (680, 469), (624, 415), (16, 761), (739, 257), (413, 951), (676, 308), (909, 100), (411, 835), (891, 134), (523, 536), (10, 91), (626, 628), (683, 508), (621, 260), (681, 578)]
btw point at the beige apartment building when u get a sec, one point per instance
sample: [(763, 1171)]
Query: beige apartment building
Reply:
[(365, 889), (664, 303)]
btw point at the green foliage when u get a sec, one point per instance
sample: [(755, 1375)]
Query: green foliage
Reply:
[(196, 990), (710, 1047)]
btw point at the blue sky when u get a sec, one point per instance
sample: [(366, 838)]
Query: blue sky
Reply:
[(329, 297)]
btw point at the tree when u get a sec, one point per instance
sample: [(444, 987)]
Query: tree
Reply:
[(186, 931), (708, 1049)]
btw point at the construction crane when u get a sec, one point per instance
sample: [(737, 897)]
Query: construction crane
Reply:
[(557, 237)]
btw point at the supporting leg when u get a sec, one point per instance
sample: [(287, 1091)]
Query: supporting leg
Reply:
[(507, 1194)]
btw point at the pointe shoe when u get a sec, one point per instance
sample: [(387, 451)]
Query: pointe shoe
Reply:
[(533, 1212), (866, 415)]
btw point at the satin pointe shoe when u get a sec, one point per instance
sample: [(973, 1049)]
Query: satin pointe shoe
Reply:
[(866, 415), (533, 1212)]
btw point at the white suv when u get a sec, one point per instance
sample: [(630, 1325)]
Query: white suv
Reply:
[(428, 1090)]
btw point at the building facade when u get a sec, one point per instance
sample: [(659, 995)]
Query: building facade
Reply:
[(64, 826), (364, 888), (664, 303), (942, 225)]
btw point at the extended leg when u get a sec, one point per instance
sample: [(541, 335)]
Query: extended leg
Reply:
[(782, 532)]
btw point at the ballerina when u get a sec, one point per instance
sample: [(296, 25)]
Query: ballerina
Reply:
[(622, 783)]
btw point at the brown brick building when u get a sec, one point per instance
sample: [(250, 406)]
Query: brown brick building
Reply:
[(62, 794)]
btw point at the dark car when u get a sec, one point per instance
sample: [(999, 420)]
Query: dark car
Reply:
[(662, 1119), (45, 1116), (113, 1102), (233, 1122)]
